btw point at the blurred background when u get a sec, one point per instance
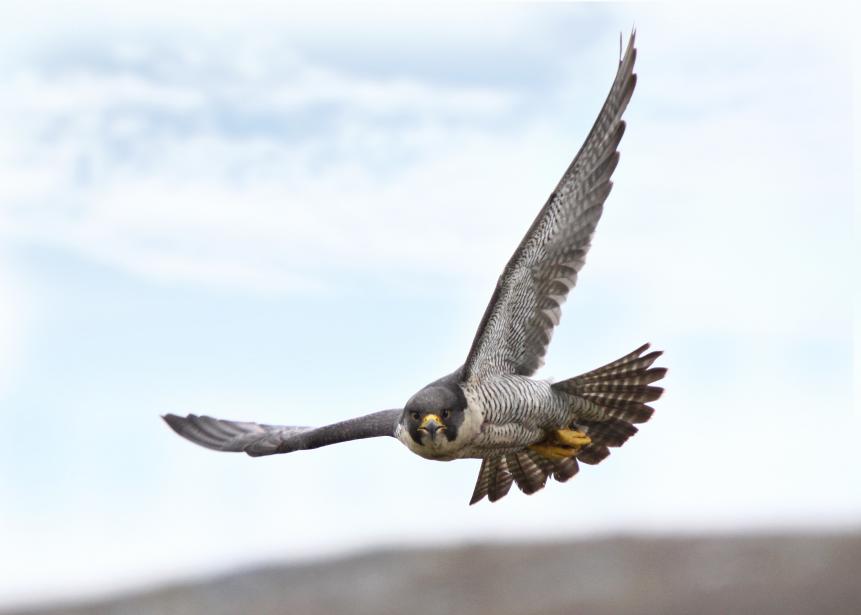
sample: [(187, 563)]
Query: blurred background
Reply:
[(298, 216)]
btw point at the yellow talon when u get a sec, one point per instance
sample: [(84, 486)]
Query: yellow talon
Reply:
[(574, 439), (562, 444)]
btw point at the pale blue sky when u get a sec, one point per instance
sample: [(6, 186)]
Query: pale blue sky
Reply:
[(297, 218)]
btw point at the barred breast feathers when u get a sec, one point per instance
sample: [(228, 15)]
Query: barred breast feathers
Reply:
[(515, 412), (509, 398)]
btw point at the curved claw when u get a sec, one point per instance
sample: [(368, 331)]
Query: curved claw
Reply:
[(562, 444)]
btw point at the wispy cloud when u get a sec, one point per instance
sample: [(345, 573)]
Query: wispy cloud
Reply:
[(210, 166), (279, 163), (14, 322)]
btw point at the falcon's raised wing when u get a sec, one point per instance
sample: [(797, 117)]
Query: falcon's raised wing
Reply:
[(526, 305), (258, 440)]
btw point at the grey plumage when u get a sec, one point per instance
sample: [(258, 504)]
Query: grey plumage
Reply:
[(258, 440), (490, 408), (607, 401), (526, 305)]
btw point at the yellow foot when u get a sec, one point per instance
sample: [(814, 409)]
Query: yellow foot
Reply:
[(562, 444)]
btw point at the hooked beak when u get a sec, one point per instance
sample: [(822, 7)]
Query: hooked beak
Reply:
[(431, 423)]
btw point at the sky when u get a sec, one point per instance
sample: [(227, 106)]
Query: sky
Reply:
[(298, 216)]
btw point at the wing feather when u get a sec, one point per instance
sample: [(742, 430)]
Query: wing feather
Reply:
[(257, 439), (526, 305)]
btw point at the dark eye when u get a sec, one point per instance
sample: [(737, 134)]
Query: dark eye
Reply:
[(415, 415), (446, 414)]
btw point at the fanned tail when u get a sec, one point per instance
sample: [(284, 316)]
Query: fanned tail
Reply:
[(609, 400), (526, 468), (613, 397)]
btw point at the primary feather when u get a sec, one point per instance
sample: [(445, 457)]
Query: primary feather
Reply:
[(524, 430), (526, 304), (258, 439)]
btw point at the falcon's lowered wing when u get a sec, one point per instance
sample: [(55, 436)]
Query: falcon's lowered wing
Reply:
[(258, 440)]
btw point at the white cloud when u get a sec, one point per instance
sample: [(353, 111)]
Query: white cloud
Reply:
[(322, 86), (271, 172), (43, 98), (15, 306), (423, 177), (149, 176)]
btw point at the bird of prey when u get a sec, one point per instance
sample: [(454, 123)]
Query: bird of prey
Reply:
[(523, 429)]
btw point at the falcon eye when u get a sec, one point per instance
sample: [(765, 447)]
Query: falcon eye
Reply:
[(415, 415), (446, 414)]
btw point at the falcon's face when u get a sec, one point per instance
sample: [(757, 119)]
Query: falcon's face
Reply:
[(433, 415)]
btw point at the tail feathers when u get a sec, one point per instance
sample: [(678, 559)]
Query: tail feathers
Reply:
[(526, 468), (494, 479), (619, 390), (615, 396), (593, 454), (566, 469), (613, 432)]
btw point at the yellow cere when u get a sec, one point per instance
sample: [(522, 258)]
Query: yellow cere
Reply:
[(428, 418)]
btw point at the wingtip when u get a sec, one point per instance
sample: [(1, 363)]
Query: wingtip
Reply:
[(172, 420), (176, 422), (631, 40)]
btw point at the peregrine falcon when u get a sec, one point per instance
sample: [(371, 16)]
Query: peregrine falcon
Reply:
[(490, 408)]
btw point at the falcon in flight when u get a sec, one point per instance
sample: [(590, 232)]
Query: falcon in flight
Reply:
[(524, 430)]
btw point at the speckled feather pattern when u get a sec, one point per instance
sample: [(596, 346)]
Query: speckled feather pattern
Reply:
[(516, 411), (526, 305), (520, 411), (507, 411)]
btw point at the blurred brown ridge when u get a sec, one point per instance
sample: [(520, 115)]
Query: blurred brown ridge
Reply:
[(785, 574)]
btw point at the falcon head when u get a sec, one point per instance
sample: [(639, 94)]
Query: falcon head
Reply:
[(433, 415)]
